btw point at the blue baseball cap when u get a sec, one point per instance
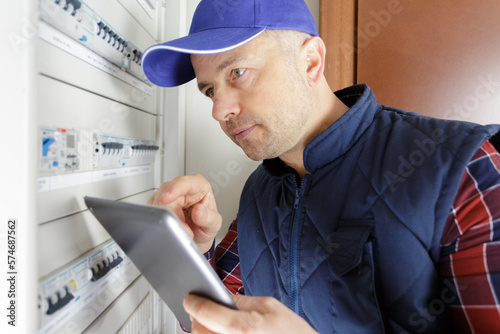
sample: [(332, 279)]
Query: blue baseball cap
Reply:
[(219, 26)]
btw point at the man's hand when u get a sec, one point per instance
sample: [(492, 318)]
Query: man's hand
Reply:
[(256, 315), (192, 200)]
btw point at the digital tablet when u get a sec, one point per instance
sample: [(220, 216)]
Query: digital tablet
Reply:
[(154, 239)]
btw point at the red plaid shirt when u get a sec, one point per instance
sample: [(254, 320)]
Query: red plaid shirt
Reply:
[(470, 249)]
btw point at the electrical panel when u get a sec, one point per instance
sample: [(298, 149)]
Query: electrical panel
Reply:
[(99, 127)]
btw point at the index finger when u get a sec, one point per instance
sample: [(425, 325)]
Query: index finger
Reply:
[(184, 190), (192, 189)]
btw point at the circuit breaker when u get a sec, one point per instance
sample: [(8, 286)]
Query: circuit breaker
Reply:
[(67, 150)]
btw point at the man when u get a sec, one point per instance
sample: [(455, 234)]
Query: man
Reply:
[(361, 218)]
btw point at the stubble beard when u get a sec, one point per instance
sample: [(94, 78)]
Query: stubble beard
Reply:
[(281, 134)]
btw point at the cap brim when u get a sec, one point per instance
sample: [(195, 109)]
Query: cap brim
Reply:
[(169, 64)]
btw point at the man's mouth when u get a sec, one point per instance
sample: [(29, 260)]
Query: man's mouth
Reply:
[(241, 133)]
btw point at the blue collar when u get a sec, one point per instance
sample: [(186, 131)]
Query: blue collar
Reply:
[(340, 136)]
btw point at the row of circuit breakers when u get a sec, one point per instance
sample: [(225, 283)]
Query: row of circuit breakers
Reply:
[(67, 150), (79, 22), (90, 269), (80, 284)]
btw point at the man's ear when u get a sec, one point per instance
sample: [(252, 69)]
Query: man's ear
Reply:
[(313, 52)]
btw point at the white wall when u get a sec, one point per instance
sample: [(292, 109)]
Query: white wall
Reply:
[(209, 151)]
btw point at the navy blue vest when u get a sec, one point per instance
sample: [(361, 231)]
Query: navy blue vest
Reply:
[(354, 246)]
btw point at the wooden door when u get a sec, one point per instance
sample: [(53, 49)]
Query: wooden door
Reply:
[(439, 58)]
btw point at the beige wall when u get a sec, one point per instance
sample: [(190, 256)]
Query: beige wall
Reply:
[(314, 8)]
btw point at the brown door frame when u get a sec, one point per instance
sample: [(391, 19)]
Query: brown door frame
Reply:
[(337, 25)]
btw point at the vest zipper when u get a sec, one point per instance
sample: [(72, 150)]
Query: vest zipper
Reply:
[(294, 239)]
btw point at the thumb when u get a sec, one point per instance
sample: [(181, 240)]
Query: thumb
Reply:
[(220, 319)]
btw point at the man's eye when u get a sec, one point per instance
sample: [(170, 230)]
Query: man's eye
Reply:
[(209, 92), (238, 72)]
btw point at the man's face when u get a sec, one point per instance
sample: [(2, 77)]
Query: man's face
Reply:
[(259, 97)]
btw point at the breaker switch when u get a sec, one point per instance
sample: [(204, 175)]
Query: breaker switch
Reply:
[(111, 34), (111, 147), (145, 147), (100, 25), (115, 36), (144, 150), (137, 56), (99, 272), (117, 259), (106, 30), (76, 6), (119, 40), (63, 297)]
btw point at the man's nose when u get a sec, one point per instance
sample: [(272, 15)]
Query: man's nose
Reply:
[(226, 105)]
